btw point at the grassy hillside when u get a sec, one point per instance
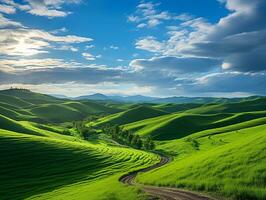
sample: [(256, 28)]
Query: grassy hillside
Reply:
[(29, 97), (20, 104), (231, 164), (245, 106), (38, 162), (171, 108), (218, 148), (181, 124), (132, 115), (38, 167)]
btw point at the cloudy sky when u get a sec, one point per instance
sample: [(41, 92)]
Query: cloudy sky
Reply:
[(128, 47)]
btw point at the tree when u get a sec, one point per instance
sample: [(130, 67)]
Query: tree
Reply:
[(148, 144)]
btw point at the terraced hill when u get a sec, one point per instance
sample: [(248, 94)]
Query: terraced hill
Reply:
[(53, 169)]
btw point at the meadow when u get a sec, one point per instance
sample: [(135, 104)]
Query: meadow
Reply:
[(217, 148)]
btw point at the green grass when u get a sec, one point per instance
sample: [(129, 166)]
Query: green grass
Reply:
[(46, 168), (132, 115), (217, 148), (230, 164), (245, 106), (178, 125), (26, 105), (171, 108)]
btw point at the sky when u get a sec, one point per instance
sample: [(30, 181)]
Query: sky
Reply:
[(129, 47)]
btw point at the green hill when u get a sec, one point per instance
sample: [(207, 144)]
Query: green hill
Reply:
[(57, 113), (44, 168), (171, 108), (132, 115), (13, 101), (181, 124), (29, 97), (229, 164), (217, 148), (20, 104), (245, 106)]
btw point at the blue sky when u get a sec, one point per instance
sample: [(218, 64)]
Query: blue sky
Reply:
[(128, 47)]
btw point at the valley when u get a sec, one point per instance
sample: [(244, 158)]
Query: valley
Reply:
[(79, 149)]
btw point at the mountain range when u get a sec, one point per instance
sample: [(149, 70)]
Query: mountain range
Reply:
[(149, 99)]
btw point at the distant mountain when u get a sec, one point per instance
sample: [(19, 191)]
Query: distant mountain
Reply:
[(203, 100), (135, 98), (102, 97), (96, 96), (175, 99)]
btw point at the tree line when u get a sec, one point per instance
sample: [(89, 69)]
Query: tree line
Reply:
[(128, 138)]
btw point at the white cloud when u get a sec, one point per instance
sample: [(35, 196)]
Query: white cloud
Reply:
[(88, 56), (133, 18), (153, 22), (67, 48), (28, 42), (89, 46), (7, 9), (114, 47), (77, 89), (147, 15), (150, 44), (142, 25), (46, 8), (14, 65)]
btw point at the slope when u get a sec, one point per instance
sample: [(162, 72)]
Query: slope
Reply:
[(181, 124), (41, 168), (230, 164), (132, 115)]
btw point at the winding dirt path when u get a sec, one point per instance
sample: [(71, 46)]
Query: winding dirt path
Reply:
[(163, 193)]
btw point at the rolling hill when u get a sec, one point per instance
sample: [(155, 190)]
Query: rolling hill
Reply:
[(134, 114), (216, 147), (21, 104), (181, 124), (46, 168), (229, 164)]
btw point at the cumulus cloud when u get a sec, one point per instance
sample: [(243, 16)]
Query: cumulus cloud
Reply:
[(23, 41), (150, 44), (148, 15), (46, 8), (61, 75), (7, 9), (176, 65), (195, 56), (237, 40), (227, 82), (88, 56), (22, 64)]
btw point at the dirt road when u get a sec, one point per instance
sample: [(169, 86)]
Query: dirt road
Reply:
[(163, 193)]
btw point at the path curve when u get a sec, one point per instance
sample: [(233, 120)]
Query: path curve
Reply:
[(164, 193)]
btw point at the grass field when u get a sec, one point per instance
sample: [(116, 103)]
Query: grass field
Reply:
[(217, 148), (230, 164), (46, 168)]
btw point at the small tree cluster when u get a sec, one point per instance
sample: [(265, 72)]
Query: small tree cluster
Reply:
[(83, 131), (193, 142), (128, 138)]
